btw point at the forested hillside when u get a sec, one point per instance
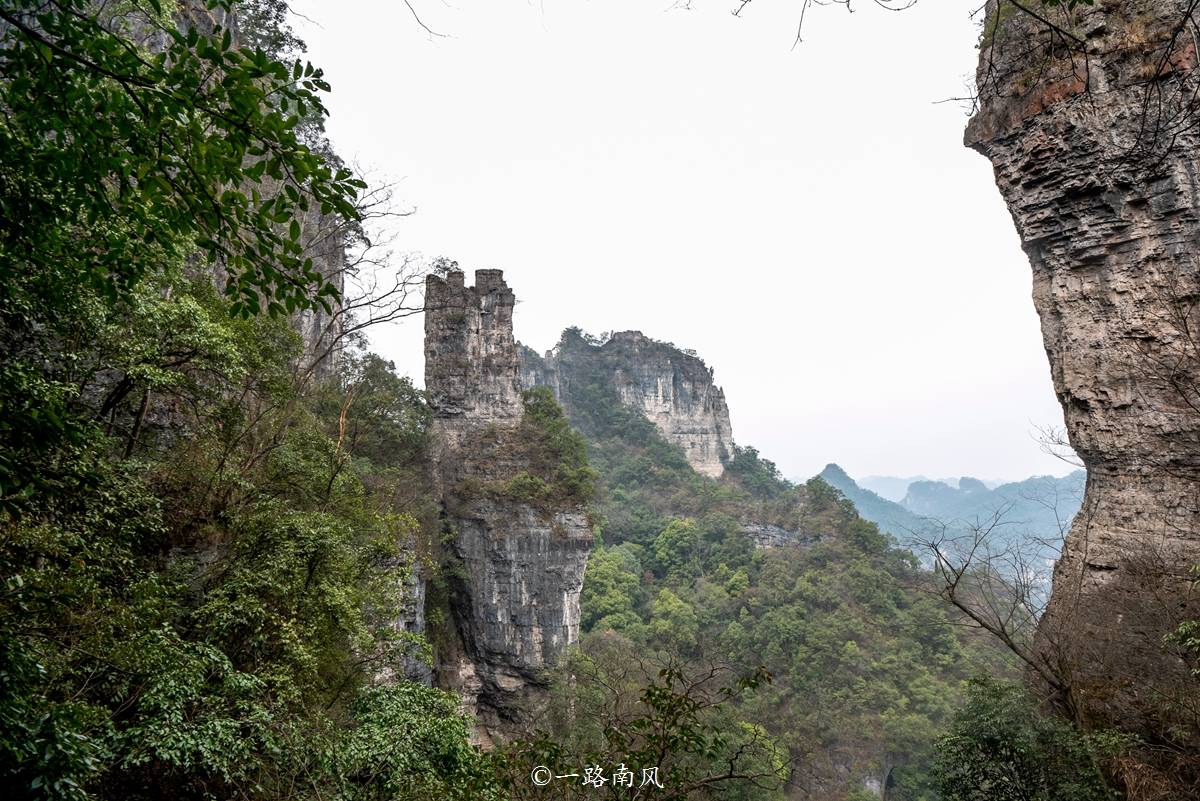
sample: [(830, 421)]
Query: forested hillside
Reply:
[(200, 544), (867, 665)]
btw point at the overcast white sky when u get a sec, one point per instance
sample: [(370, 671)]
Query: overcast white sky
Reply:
[(807, 220)]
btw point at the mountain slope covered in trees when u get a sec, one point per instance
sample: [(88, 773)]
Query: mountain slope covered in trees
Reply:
[(199, 546), (866, 667)]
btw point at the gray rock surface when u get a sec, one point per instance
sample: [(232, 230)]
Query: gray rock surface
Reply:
[(515, 570), (767, 535), (1097, 160), (673, 388)]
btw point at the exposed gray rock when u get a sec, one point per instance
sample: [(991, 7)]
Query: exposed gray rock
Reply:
[(405, 659), (515, 570), (1100, 175), (324, 240), (673, 388), (470, 354), (766, 535), (516, 603)]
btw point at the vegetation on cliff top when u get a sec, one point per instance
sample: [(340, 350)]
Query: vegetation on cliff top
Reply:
[(559, 473)]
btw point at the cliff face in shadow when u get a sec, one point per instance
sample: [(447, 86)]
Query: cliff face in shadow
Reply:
[(1091, 130)]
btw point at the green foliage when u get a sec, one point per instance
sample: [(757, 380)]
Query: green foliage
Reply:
[(117, 163), (202, 615), (867, 665), (612, 590), (528, 488), (759, 476), (674, 625), (1001, 747), (176, 157), (200, 551), (676, 550), (409, 742), (621, 709), (559, 469), (380, 415), (1186, 636), (263, 25)]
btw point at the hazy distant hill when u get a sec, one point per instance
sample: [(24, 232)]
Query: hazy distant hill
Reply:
[(892, 488), (890, 516), (1040, 506)]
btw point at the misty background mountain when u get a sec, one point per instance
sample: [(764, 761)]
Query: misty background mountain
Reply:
[(894, 488), (1036, 508)]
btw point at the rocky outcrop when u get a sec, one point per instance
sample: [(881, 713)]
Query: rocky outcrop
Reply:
[(769, 535), (673, 388), (1092, 134), (324, 241), (515, 568)]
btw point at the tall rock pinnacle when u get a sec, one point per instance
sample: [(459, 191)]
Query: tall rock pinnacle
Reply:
[(1095, 148), (514, 565)]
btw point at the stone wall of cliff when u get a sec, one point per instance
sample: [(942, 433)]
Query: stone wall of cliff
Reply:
[(1092, 133), (514, 566), (672, 388), (323, 236)]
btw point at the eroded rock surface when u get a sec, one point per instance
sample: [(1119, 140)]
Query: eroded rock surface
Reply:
[(769, 535), (673, 388), (514, 568), (1096, 153)]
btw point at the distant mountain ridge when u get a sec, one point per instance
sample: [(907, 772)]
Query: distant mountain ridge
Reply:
[(1037, 507), (891, 517), (892, 488)]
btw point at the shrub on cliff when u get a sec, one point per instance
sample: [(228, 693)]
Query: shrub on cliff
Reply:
[(618, 707), (1000, 747), (557, 454)]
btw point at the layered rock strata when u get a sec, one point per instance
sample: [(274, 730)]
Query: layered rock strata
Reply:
[(1092, 133), (515, 569), (769, 535), (674, 389)]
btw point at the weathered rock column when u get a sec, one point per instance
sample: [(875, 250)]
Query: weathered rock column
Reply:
[(515, 570), (1096, 154)]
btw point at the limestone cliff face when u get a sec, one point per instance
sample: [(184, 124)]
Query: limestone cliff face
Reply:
[(515, 569), (674, 389), (1097, 159), (323, 236), (324, 241)]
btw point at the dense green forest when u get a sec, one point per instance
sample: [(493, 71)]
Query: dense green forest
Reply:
[(202, 538), (199, 543)]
